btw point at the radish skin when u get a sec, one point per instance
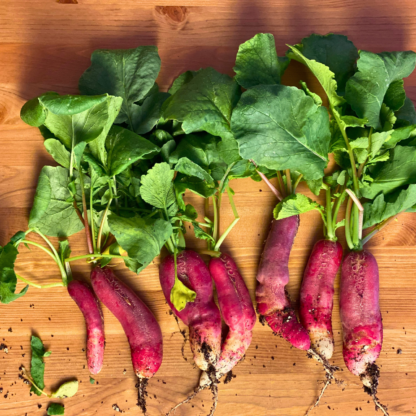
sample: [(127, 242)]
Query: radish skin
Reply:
[(88, 303), (361, 317), (237, 311), (141, 328), (316, 296), (201, 316), (273, 303)]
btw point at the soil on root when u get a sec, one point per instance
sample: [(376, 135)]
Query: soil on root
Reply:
[(142, 394)]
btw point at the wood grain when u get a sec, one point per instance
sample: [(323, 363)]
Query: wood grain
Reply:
[(46, 45)]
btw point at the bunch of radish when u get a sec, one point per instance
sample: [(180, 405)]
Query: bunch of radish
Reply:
[(128, 153)]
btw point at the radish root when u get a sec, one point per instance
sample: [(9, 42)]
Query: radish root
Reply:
[(330, 371), (142, 393), (370, 382)]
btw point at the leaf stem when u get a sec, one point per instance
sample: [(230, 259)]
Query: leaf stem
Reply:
[(85, 212), (100, 231), (94, 243), (29, 377), (215, 226), (281, 184), (330, 234), (299, 178), (360, 217), (78, 211), (211, 253), (39, 246), (336, 208), (231, 226), (58, 284), (57, 258), (379, 227), (347, 224), (288, 182), (87, 256)]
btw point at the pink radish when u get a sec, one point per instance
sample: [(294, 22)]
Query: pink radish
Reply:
[(237, 311), (316, 295), (273, 303), (201, 316), (90, 308), (361, 319), (141, 328)]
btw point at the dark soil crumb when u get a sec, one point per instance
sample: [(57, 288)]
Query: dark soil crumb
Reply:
[(399, 351), (39, 406), (116, 408), (229, 377), (10, 330)]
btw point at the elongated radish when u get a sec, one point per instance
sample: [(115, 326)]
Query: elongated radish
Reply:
[(273, 303), (201, 316), (237, 311), (90, 308), (141, 328), (316, 295), (361, 319)]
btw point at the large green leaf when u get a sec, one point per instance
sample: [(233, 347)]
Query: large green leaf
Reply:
[(205, 103), (280, 128), (379, 209), (335, 52), (322, 72), (8, 279), (257, 62), (125, 73), (142, 238), (399, 170), (53, 212), (366, 90), (125, 148), (189, 168), (77, 120)]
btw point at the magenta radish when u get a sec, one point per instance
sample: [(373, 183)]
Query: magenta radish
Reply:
[(316, 295), (361, 318), (202, 315), (88, 303), (237, 311), (141, 328), (273, 303)]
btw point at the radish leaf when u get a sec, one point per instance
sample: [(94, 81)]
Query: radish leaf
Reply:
[(281, 128), (366, 90), (257, 62), (66, 390), (295, 204), (55, 409), (126, 73), (37, 366)]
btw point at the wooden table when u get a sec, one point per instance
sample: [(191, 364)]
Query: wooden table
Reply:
[(46, 46)]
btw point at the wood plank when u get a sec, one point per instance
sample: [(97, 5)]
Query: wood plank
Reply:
[(46, 46)]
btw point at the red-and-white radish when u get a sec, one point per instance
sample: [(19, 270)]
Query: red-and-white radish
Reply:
[(88, 303), (142, 330)]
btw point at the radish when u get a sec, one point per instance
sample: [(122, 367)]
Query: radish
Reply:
[(273, 303), (361, 319), (141, 328), (202, 315), (90, 308)]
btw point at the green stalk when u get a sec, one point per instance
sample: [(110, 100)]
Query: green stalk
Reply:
[(336, 208), (88, 256), (84, 208), (211, 253), (215, 226), (347, 224), (94, 243), (297, 182), (231, 226), (288, 182), (39, 246), (281, 184), (115, 191), (330, 234), (100, 231), (58, 284)]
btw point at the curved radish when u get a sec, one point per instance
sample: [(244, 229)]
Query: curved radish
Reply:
[(273, 303), (201, 316), (141, 328), (316, 295), (361, 319), (88, 303), (237, 311)]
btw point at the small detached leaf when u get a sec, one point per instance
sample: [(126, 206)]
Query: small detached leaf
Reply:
[(55, 409), (180, 295), (294, 205), (66, 390), (37, 366)]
